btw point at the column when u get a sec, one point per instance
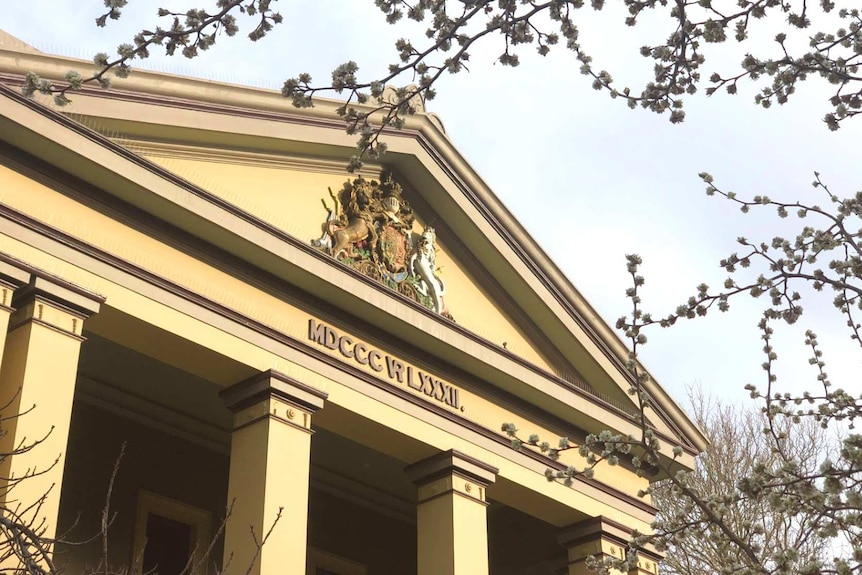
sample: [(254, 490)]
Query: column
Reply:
[(11, 278), (600, 537), (37, 386), (270, 459), (451, 518)]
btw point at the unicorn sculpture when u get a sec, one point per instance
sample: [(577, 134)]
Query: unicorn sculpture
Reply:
[(423, 266)]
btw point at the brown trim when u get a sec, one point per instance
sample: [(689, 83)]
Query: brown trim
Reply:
[(59, 295), (605, 402), (12, 276), (595, 528), (179, 239), (473, 461), (280, 116), (266, 331)]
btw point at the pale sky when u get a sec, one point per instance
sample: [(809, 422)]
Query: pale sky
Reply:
[(590, 179)]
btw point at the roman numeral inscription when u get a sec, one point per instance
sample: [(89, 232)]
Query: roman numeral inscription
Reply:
[(386, 366)]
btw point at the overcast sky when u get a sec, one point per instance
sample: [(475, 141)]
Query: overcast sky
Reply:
[(589, 178)]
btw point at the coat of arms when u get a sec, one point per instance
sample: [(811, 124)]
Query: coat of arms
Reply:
[(370, 228)]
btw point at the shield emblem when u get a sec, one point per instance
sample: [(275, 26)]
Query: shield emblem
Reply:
[(393, 248)]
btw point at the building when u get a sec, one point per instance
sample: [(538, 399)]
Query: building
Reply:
[(169, 283)]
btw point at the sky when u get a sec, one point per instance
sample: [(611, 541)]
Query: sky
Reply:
[(590, 179)]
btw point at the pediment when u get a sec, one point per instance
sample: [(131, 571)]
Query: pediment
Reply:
[(369, 224), (507, 312)]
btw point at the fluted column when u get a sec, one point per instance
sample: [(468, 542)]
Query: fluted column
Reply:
[(270, 460), (452, 522)]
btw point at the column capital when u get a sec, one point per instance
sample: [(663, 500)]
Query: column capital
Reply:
[(54, 303), (451, 462), (592, 529), (12, 277), (272, 384), (600, 536)]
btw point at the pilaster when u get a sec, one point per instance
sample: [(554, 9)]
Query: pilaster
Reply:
[(37, 385), (269, 473), (600, 537), (452, 523)]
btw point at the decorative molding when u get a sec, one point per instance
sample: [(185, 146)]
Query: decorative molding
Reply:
[(370, 229), (54, 305), (198, 520), (433, 141), (452, 472), (591, 529), (275, 396), (12, 275), (451, 462), (141, 216), (272, 384), (309, 121), (179, 239), (77, 301)]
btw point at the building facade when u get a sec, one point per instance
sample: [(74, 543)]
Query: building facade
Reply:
[(189, 278)]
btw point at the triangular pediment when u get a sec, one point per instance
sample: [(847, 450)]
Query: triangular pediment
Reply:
[(310, 200), (507, 315)]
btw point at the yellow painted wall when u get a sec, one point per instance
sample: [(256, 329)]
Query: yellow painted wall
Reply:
[(290, 199)]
